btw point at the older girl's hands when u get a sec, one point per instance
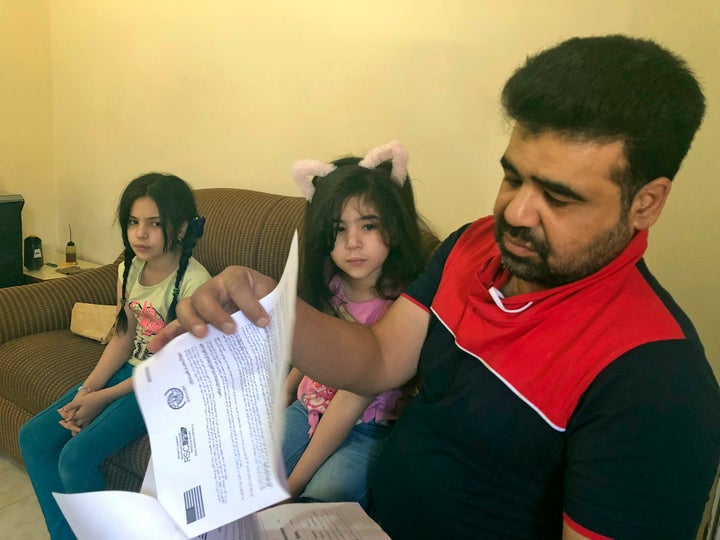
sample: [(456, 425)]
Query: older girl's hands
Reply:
[(82, 410)]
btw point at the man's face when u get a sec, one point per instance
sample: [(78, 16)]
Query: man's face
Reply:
[(558, 215)]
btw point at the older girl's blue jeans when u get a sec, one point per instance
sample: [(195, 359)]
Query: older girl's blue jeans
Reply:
[(345, 474), (57, 461)]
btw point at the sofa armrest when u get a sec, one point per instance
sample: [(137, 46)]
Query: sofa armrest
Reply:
[(45, 306)]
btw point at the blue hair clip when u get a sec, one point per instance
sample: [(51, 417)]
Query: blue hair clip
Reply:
[(196, 227)]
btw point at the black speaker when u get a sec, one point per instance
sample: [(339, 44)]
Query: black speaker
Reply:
[(11, 271), (32, 253)]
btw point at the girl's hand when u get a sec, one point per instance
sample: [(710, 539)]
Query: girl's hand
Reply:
[(67, 412), (82, 410), (70, 425)]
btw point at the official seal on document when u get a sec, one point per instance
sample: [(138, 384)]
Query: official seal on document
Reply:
[(175, 398)]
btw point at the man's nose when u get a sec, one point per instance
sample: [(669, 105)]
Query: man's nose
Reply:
[(523, 208)]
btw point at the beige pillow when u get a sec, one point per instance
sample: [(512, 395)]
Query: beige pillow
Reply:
[(94, 321)]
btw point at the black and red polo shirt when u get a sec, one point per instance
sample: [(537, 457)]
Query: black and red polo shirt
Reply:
[(593, 400)]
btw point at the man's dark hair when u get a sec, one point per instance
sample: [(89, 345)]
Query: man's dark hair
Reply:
[(612, 88)]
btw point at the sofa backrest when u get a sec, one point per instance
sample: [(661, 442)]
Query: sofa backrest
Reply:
[(246, 227)]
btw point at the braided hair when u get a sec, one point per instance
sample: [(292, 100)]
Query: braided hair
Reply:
[(194, 232), (176, 204)]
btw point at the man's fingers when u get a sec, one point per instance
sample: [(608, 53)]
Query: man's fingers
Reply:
[(209, 304), (163, 337), (235, 288), (245, 293)]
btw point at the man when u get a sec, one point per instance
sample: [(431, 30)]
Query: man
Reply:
[(563, 391)]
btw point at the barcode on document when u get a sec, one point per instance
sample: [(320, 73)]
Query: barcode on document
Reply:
[(194, 508)]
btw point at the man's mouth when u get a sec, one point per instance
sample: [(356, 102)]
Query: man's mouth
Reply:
[(517, 247)]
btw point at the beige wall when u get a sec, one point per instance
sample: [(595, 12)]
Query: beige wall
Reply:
[(230, 93), (26, 164)]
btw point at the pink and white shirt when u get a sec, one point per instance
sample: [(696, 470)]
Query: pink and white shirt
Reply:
[(316, 397)]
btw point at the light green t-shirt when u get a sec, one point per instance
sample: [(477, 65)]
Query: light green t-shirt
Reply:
[(150, 304)]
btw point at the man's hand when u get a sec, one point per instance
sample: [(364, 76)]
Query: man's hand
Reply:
[(235, 288)]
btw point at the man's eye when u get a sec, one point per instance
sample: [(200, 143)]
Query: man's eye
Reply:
[(552, 201), (512, 181)]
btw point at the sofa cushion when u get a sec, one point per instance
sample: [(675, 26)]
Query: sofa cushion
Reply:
[(33, 374), (94, 321), (247, 227)]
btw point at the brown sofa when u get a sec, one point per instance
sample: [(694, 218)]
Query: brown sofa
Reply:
[(40, 358)]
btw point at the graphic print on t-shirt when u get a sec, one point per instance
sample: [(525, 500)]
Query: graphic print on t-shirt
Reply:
[(150, 322)]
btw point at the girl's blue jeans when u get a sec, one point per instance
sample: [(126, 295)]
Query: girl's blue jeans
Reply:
[(57, 461), (345, 474)]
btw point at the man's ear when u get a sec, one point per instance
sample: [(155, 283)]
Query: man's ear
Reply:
[(649, 202)]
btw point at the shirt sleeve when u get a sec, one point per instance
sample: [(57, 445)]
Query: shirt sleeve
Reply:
[(195, 275), (643, 445)]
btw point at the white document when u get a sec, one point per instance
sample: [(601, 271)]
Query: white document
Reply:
[(315, 521), (119, 515), (211, 409), (210, 406)]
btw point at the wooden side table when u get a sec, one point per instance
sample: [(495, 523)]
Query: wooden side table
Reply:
[(47, 272)]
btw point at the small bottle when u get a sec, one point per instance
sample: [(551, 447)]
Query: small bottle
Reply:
[(70, 250), (70, 253)]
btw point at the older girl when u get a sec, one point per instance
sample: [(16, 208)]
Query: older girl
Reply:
[(65, 445)]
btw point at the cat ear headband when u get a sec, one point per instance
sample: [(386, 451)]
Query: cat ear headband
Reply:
[(305, 170)]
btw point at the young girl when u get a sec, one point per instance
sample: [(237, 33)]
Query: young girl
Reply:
[(361, 247), (65, 446)]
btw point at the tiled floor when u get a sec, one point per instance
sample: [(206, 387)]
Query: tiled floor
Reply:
[(20, 515)]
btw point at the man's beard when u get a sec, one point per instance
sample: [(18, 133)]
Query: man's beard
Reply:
[(605, 247)]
